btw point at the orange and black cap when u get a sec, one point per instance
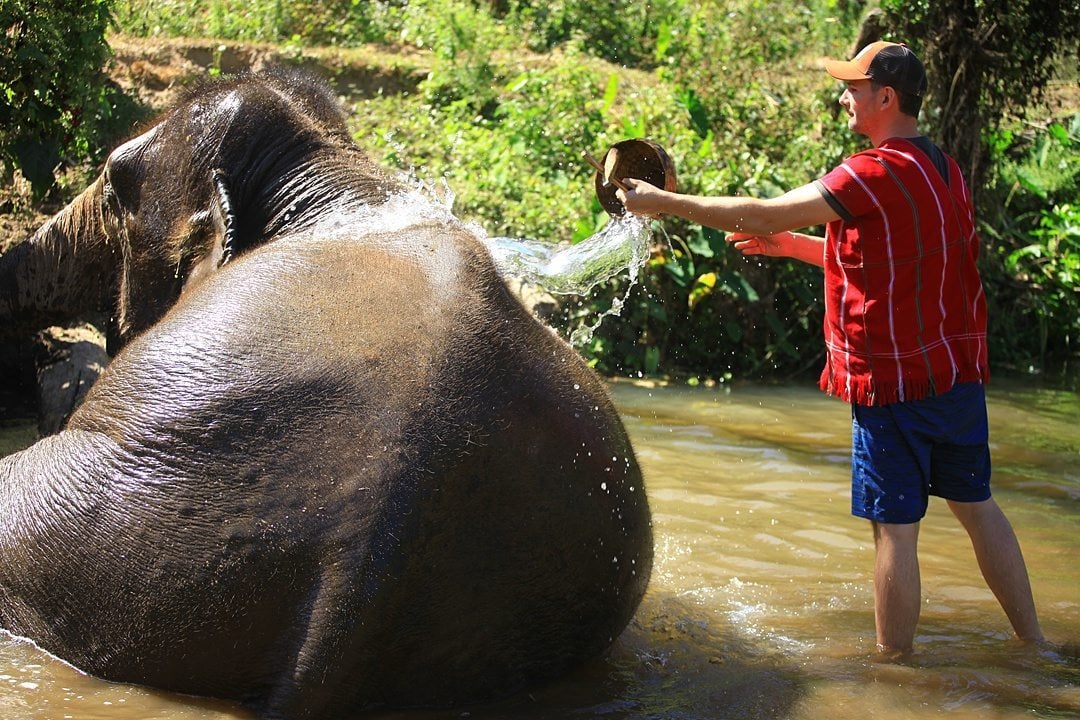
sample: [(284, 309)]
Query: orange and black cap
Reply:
[(886, 63)]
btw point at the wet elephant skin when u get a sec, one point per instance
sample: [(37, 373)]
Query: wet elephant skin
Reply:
[(333, 463)]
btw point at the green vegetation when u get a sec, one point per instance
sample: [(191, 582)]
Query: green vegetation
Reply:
[(53, 98), (516, 89), (1033, 235)]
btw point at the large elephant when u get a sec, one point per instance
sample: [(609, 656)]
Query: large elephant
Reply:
[(334, 463)]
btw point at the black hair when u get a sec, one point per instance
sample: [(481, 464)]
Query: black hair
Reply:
[(909, 104)]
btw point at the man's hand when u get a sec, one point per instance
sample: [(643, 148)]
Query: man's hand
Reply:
[(774, 245), (641, 198), (808, 248)]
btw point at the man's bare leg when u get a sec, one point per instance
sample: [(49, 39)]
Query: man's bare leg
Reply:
[(1001, 562), (897, 593)]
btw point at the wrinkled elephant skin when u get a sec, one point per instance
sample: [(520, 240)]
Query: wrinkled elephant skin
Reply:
[(333, 463)]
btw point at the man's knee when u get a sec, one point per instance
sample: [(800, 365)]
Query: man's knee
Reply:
[(895, 535), (969, 513)]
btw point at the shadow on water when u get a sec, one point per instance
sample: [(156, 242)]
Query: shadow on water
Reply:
[(671, 663), (675, 663)]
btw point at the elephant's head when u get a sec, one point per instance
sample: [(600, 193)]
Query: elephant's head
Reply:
[(234, 166)]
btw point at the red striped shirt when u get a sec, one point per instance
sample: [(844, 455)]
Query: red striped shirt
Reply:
[(905, 314)]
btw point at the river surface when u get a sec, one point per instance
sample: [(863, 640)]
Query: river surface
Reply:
[(760, 601)]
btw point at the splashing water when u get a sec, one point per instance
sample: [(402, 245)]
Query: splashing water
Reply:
[(622, 245)]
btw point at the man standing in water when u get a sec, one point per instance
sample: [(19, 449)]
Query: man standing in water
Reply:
[(905, 329)]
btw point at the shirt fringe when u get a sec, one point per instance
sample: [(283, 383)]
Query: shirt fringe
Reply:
[(866, 391)]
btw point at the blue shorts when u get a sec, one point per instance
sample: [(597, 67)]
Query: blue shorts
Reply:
[(903, 453)]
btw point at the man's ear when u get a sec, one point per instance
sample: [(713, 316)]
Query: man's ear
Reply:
[(888, 95)]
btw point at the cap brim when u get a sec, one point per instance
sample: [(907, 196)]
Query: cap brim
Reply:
[(845, 70)]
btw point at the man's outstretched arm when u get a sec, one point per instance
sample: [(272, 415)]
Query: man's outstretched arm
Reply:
[(751, 217)]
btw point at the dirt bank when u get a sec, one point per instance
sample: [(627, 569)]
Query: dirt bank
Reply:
[(157, 70)]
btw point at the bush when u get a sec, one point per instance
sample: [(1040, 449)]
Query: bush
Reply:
[(1032, 271), (339, 22), (53, 98), (620, 32)]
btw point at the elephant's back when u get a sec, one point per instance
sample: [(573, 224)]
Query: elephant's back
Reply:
[(528, 522), (394, 399)]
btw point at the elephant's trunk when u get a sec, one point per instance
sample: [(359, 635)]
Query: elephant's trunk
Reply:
[(63, 271)]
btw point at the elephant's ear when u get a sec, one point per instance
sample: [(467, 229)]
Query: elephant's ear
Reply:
[(220, 222), (226, 214)]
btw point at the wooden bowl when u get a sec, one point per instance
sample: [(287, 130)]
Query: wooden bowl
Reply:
[(636, 158)]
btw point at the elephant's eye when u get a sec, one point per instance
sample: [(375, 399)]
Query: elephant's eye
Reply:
[(108, 198), (110, 208)]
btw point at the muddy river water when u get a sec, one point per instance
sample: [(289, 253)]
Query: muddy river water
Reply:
[(760, 602)]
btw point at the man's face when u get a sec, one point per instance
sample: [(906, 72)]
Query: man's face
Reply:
[(863, 105)]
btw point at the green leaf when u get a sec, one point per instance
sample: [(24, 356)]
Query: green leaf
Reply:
[(1059, 132), (611, 91), (699, 117), (700, 245), (663, 40), (681, 269), (634, 129), (518, 82), (735, 284), (716, 240), (1030, 182), (702, 288)]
